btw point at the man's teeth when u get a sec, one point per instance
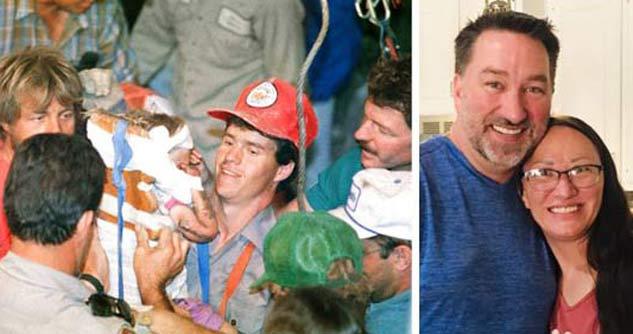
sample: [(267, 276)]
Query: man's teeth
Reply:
[(506, 131), (564, 209), (229, 173)]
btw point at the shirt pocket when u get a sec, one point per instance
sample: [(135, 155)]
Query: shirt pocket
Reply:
[(232, 42)]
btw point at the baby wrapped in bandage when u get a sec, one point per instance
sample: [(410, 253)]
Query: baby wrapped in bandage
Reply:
[(148, 149)]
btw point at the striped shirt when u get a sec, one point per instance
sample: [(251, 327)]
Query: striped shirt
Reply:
[(101, 28)]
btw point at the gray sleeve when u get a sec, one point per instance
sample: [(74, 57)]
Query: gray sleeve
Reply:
[(279, 27), (153, 38)]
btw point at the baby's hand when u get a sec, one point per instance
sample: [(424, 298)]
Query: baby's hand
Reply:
[(181, 215), (196, 226), (194, 165)]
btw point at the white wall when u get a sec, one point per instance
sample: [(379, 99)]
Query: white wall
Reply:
[(627, 95)]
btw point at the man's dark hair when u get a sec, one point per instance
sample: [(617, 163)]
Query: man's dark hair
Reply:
[(312, 310), (285, 153), (53, 180), (389, 85), (388, 244), (539, 29)]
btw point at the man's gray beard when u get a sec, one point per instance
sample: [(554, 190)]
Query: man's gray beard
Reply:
[(506, 160)]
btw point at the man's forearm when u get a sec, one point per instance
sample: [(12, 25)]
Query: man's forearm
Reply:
[(156, 297)]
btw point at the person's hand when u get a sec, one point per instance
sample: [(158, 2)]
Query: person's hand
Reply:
[(204, 225), (155, 266), (194, 165), (182, 215), (162, 321), (97, 261)]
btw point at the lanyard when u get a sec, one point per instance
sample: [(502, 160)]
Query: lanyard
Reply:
[(236, 276), (203, 270), (122, 156)]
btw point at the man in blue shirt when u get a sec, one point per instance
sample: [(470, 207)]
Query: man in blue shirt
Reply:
[(484, 265), (378, 210)]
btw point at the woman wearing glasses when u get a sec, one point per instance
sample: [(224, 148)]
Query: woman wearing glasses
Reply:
[(571, 187)]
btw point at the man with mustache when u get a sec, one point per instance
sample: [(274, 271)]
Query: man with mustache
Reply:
[(384, 136), (484, 267), (256, 160)]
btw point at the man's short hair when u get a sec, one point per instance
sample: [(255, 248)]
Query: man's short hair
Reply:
[(389, 85), (313, 310), (41, 74), (388, 244), (285, 153), (539, 29), (53, 180)]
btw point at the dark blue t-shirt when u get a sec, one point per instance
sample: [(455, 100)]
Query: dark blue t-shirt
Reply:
[(484, 265)]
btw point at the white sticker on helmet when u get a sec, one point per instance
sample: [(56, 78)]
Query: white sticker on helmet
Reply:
[(262, 96)]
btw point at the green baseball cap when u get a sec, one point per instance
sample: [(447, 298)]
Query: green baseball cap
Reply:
[(300, 248)]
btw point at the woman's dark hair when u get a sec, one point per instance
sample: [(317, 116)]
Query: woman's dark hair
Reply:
[(610, 241), (313, 310)]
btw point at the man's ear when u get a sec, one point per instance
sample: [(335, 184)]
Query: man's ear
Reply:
[(456, 90), (85, 222), (284, 171), (401, 257), (5, 127)]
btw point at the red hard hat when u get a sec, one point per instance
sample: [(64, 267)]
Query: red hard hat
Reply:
[(270, 107)]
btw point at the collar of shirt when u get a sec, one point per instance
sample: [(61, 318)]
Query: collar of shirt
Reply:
[(41, 276), (24, 8), (256, 231), (253, 232), (402, 297)]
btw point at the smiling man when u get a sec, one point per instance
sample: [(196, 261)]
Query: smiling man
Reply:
[(484, 266), (384, 136), (256, 159), (40, 92)]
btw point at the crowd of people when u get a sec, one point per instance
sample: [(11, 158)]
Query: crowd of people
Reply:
[(126, 212)]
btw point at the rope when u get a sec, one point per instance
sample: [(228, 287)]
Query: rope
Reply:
[(325, 14), (388, 41)]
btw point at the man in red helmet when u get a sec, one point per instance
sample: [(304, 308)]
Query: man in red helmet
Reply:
[(256, 160)]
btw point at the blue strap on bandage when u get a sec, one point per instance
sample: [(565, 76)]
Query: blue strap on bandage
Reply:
[(122, 156), (203, 269)]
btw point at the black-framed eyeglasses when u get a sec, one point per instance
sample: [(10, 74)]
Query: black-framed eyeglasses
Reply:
[(546, 179)]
